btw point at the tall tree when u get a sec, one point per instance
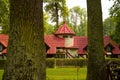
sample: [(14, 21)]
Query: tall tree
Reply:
[(4, 15), (26, 50), (109, 26), (115, 12), (56, 8), (78, 20), (48, 28), (96, 69)]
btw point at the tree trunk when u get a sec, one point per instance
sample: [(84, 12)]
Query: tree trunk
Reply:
[(57, 16), (26, 50), (96, 62)]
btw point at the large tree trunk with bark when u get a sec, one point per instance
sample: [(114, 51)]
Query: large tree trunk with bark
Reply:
[(26, 50), (96, 62)]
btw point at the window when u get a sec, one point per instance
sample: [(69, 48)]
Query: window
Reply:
[(108, 48), (60, 56), (65, 36), (71, 36), (1, 47)]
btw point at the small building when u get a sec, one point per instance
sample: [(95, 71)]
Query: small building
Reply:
[(65, 44)]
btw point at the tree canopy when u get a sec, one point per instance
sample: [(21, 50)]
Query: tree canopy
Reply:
[(115, 12), (78, 20), (56, 9), (4, 15)]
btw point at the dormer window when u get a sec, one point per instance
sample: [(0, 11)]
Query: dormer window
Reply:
[(65, 36), (71, 36), (1, 47), (109, 48)]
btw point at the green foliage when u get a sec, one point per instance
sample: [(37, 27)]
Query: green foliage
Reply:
[(48, 29), (56, 9), (50, 63), (4, 15), (78, 20), (116, 35), (109, 26), (71, 62), (2, 64), (115, 12)]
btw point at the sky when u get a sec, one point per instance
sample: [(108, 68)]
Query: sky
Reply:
[(106, 4)]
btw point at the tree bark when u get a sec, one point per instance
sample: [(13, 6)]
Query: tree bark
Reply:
[(96, 62), (26, 50), (57, 16)]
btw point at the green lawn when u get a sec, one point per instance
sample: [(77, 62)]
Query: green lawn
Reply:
[(63, 74), (66, 74), (1, 73)]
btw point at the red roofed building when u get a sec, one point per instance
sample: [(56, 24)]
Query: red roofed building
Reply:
[(64, 44), (3, 45)]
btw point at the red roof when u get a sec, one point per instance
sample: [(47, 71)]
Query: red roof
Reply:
[(64, 29), (81, 43), (53, 42), (4, 51), (4, 41), (107, 41)]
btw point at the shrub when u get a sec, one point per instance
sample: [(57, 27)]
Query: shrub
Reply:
[(71, 62), (2, 64), (53, 62), (50, 62)]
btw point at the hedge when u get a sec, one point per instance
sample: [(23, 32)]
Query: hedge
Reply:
[(2, 64), (50, 63), (71, 62), (53, 62), (74, 62)]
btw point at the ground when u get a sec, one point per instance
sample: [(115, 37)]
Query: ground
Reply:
[(63, 74)]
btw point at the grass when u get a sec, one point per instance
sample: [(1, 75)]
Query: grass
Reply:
[(1, 73), (66, 74), (63, 74)]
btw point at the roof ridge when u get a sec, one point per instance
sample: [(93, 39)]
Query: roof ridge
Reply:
[(65, 29)]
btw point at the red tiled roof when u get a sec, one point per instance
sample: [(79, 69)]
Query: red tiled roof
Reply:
[(64, 29), (4, 41), (81, 43), (53, 42), (4, 51), (107, 41)]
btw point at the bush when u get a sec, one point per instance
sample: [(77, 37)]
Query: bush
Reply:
[(2, 64), (71, 62), (50, 62), (74, 62)]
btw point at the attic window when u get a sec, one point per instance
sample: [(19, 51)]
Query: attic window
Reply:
[(65, 36), (71, 36), (108, 48), (1, 47)]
